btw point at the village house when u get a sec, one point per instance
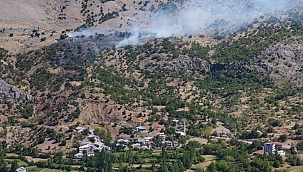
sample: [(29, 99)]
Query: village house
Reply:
[(86, 147), (122, 142), (281, 152), (90, 146), (78, 155), (21, 169), (150, 144), (90, 153), (136, 145), (144, 140), (182, 133), (79, 129), (140, 129), (98, 146), (177, 122), (161, 137), (171, 144), (272, 147)]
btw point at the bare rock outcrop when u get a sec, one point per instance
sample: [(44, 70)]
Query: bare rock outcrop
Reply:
[(284, 61), (188, 64), (11, 92)]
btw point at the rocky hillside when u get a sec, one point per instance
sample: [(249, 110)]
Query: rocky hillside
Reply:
[(11, 92), (32, 24), (284, 60), (237, 83)]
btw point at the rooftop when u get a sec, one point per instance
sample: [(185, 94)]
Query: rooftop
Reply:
[(140, 128), (274, 143)]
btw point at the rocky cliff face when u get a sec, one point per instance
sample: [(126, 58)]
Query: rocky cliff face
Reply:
[(11, 92), (284, 61), (189, 64)]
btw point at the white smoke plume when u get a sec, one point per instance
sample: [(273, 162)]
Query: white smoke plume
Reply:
[(193, 17), (205, 16), (83, 32)]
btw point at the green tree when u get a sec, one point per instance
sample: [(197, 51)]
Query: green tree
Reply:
[(163, 159), (283, 138), (3, 166), (212, 167), (300, 145), (14, 166), (58, 157)]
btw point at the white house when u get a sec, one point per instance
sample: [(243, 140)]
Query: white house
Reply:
[(80, 129), (281, 153), (161, 137), (122, 142), (78, 155), (140, 128), (177, 122), (145, 139), (182, 133), (171, 143), (21, 169), (136, 145), (98, 146), (91, 136), (90, 153), (86, 147)]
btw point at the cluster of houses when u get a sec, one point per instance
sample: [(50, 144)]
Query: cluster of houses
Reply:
[(142, 129), (147, 142), (89, 147)]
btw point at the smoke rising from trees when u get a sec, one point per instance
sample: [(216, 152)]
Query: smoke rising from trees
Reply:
[(193, 17), (208, 17)]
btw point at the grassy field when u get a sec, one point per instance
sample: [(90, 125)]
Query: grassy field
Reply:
[(36, 169), (208, 160), (292, 168), (20, 163)]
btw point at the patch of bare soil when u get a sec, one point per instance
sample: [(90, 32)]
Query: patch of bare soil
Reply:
[(221, 129), (198, 139), (208, 160), (19, 18)]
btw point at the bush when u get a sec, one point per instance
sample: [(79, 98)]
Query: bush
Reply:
[(200, 159), (43, 39)]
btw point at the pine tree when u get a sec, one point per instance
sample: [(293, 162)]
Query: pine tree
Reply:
[(163, 159), (153, 167)]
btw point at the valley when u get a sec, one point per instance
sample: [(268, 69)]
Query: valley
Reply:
[(90, 85)]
